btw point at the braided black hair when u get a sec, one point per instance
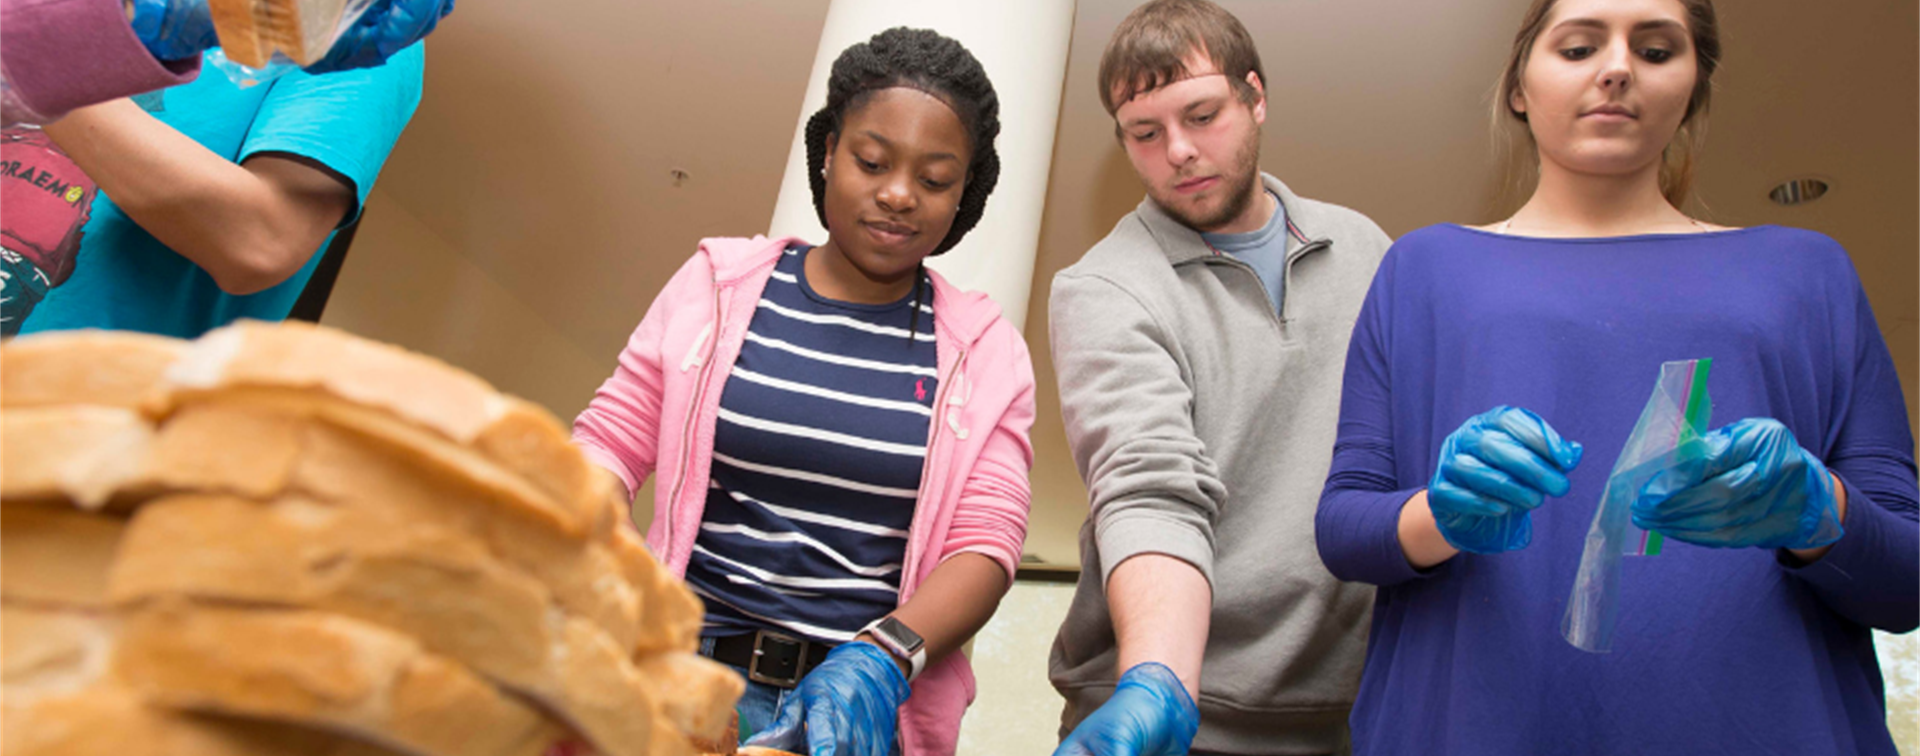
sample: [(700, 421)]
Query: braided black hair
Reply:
[(923, 60)]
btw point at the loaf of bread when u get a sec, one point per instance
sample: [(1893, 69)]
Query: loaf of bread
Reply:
[(284, 539), (251, 30), (268, 448)]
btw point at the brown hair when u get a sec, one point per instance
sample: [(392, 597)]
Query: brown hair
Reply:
[(1150, 48), (1677, 164)]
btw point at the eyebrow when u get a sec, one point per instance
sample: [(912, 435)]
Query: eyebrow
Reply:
[(1192, 106), (888, 143), (1594, 23)]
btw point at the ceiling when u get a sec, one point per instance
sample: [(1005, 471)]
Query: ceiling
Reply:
[(533, 208)]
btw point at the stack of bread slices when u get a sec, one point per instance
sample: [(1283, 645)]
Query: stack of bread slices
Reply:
[(281, 539)]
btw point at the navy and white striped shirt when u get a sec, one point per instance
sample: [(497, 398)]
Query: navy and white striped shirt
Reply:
[(817, 459)]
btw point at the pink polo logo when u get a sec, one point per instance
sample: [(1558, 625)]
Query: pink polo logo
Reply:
[(920, 390)]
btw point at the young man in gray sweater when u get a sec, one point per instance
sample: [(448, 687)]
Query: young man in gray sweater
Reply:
[(1199, 349)]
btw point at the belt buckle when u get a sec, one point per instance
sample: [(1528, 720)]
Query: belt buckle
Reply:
[(760, 639)]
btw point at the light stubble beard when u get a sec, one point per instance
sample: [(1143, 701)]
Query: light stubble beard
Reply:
[(1242, 185)]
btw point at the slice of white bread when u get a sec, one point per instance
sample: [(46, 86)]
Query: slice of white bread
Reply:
[(251, 30), (80, 453), (406, 389), (440, 587), (110, 720), (56, 555), (322, 669), (112, 368), (434, 584)]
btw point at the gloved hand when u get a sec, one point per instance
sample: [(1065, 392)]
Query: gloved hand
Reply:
[(387, 28), (1755, 487), (1150, 714), (174, 29), (1493, 471), (847, 706)]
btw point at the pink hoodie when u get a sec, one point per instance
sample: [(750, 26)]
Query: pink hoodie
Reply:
[(658, 411)]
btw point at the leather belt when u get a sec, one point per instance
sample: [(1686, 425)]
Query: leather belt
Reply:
[(770, 657)]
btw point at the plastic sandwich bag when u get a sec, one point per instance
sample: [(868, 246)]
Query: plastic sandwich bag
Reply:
[(1668, 433)]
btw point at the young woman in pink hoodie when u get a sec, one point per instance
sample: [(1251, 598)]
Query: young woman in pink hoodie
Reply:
[(841, 436)]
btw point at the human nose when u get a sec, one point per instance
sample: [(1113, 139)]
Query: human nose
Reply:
[(1180, 148), (1616, 69), (895, 194)]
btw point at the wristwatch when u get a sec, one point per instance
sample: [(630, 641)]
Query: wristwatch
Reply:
[(901, 641)]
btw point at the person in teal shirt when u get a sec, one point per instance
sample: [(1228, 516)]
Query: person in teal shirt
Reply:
[(213, 199)]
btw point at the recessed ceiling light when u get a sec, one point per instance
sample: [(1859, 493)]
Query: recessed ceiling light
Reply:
[(1798, 191)]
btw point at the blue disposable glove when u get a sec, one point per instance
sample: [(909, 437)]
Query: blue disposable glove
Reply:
[(847, 706), (1756, 486), (174, 29), (1150, 714), (387, 28), (1493, 471)]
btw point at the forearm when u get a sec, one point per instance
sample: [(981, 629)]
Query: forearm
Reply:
[(244, 229), (954, 602), (1162, 610), (1420, 537)]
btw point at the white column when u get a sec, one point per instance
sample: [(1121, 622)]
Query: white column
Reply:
[(1023, 46)]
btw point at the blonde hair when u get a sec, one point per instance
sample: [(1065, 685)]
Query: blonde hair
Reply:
[(1521, 161)]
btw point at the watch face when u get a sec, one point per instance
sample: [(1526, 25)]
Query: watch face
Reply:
[(905, 636)]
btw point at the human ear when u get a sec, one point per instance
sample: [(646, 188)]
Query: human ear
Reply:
[(1260, 104)]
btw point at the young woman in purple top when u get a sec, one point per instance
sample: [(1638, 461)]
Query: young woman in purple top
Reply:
[(1495, 374)]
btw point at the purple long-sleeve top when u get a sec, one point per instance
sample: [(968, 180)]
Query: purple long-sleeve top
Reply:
[(58, 55), (1717, 650)]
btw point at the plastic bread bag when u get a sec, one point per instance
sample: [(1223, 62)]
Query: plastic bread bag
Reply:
[(244, 76), (263, 35), (1667, 434)]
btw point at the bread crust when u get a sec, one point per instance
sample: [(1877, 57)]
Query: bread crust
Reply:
[(107, 368)]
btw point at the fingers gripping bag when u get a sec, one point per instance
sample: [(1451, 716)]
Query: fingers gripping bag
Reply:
[(1668, 433)]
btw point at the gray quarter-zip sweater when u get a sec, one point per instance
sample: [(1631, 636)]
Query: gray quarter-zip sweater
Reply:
[(1203, 423)]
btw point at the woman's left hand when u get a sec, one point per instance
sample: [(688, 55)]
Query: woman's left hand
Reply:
[(847, 706), (1756, 487)]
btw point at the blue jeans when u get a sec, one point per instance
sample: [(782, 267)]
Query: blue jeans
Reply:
[(761, 703)]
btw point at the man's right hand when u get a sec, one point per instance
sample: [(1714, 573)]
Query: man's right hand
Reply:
[(1150, 714)]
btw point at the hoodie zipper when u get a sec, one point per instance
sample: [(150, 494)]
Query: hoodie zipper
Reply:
[(708, 341)]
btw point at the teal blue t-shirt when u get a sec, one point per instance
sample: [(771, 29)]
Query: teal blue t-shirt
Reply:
[(125, 279)]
